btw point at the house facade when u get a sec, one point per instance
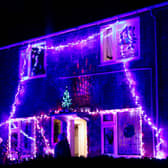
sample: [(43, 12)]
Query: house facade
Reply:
[(99, 84)]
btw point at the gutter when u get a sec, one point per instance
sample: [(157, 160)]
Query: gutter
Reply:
[(156, 70)]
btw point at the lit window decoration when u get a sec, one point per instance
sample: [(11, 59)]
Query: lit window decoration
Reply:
[(136, 98)]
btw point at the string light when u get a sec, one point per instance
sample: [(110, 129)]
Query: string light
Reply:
[(48, 150), (131, 84), (37, 126)]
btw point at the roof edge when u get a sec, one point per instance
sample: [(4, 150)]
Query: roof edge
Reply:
[(113, 18)]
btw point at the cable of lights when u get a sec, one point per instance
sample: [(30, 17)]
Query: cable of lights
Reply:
[(132, 84)]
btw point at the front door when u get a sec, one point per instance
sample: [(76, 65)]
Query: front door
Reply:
[(77, 136), (75, 129)]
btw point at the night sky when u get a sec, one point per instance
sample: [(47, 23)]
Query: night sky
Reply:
[(23, 20)]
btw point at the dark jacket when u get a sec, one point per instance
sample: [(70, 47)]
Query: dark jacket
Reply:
[(62, 149)]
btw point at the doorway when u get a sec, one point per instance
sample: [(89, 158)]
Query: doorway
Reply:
[(75, 129), (77, 137), (80, 134)]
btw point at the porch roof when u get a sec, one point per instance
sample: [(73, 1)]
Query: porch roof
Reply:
[(71, 116)]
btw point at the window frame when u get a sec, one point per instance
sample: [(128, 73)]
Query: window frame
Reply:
[(109, 124), (13, 154), (26, 54), (116, 26)]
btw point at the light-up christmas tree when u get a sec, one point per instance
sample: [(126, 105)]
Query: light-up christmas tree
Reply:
[(66, 103)]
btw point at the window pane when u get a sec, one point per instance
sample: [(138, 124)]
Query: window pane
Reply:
[(108, 117), (14, 142), (37, 62), (129, 133), (57, 129), (108, 140)]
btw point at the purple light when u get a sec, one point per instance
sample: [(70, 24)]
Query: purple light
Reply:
[(16, 99), (81, 42), (113, 111), (107, 20), (132, 84), (37, 126)]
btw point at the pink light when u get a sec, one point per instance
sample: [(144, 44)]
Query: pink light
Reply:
[(16, 99), (41, 130), (37, 126), (72, 44), (131, 84), (22, 132), (113, 111), (11, 122)]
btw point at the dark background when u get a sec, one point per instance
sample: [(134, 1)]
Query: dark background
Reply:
[(22, 19)]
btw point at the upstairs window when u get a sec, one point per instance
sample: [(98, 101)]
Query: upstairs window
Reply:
[(33, 62), (120, 41), (37, 62)]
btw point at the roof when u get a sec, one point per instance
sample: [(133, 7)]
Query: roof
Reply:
[(117, 17)]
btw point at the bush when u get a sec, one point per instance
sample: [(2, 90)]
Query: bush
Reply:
[(94, 161)]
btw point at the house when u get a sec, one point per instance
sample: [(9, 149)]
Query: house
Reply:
[(100, 84)]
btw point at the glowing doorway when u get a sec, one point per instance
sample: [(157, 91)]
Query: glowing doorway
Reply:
[(77, 136)]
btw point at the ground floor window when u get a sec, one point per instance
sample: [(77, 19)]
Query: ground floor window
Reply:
[(108, 134), (129, 130), (22, 142), (57, 130), (121, 133), (108, 140)]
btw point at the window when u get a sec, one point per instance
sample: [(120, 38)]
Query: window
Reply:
[(37, 62), (129, 133), (108, 117), (107, 44), (108, 140), (22, 139), (14, 141), (57, 129), (120, 41), (108, 134), (33, 61), (121, 133)]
